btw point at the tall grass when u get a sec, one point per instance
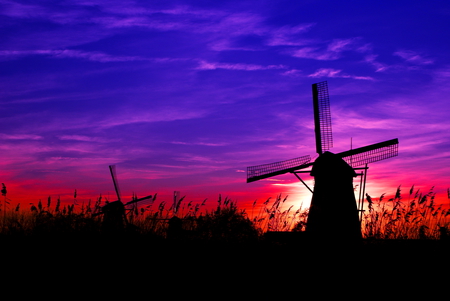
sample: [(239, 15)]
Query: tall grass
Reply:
[(414, 216), (271, 216), (47, 218)]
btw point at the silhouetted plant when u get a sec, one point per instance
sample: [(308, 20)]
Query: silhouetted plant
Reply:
[(417, 217), (272, 217), (226, 224)]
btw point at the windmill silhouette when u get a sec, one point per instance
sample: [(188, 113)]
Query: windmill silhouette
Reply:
[(333, 204), (115, 213)]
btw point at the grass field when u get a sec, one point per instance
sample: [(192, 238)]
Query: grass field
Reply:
[(414, 217)]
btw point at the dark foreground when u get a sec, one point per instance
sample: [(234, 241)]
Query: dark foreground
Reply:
[(275, 266), (285, 247)]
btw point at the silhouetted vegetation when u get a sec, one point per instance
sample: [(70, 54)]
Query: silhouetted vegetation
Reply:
[(416, 216)]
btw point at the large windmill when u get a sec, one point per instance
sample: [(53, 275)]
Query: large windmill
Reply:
[(333, 204)]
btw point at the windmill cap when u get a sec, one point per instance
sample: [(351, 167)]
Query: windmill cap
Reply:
[(329, 164)]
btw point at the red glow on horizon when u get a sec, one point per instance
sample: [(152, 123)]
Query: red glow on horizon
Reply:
[(296, 195)]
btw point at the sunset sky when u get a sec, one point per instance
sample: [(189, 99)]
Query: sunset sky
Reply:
[(185, 95)]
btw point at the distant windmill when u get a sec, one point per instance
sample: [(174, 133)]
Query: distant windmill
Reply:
[(333, 212), (115, 213)]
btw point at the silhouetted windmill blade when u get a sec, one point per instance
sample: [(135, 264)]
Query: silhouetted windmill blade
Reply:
[(112, 169), (371, 153), (258, 172), (322, 117), (148, 198)]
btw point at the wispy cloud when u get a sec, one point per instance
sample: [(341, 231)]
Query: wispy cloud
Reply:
[(183, 18), (20, 137), (413, 57), (95, 56), (67, 53), (84, 138), (330, 73), (292, 72), (333, 50), (168, 114), (313, 53), (339, 45), (372, 60), (204, 65), (200, 143), (289, 35)]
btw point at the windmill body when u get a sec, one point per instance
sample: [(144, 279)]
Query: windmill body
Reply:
[(333, 204), (114, 218), (333, 212)]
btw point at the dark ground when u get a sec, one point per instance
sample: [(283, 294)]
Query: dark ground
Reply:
[(275, 248), (261, 270)]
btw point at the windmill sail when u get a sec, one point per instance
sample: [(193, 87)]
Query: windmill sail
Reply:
[(135, 200), (112, 169), (371, 153), (324, 141), (255, 173), (322, 117)]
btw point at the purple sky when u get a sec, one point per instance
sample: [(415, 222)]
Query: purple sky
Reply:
[(184, 95)]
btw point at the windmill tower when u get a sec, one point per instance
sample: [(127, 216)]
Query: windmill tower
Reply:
[(334, 212)]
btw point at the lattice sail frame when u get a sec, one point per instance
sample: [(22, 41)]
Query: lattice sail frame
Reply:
[(322, 117), (263, 171), (371, 153), (112, 169), (324, 141)]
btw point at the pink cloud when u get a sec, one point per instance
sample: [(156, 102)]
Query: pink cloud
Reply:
[(341, 45), (413, 57), (288, 35), (20, 137), (199, 143), (85, 55), (329, 72), (292, 72), (379, 67), (333, 50), (204, 65), (84, 138), (314, 53), (67, 53)]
